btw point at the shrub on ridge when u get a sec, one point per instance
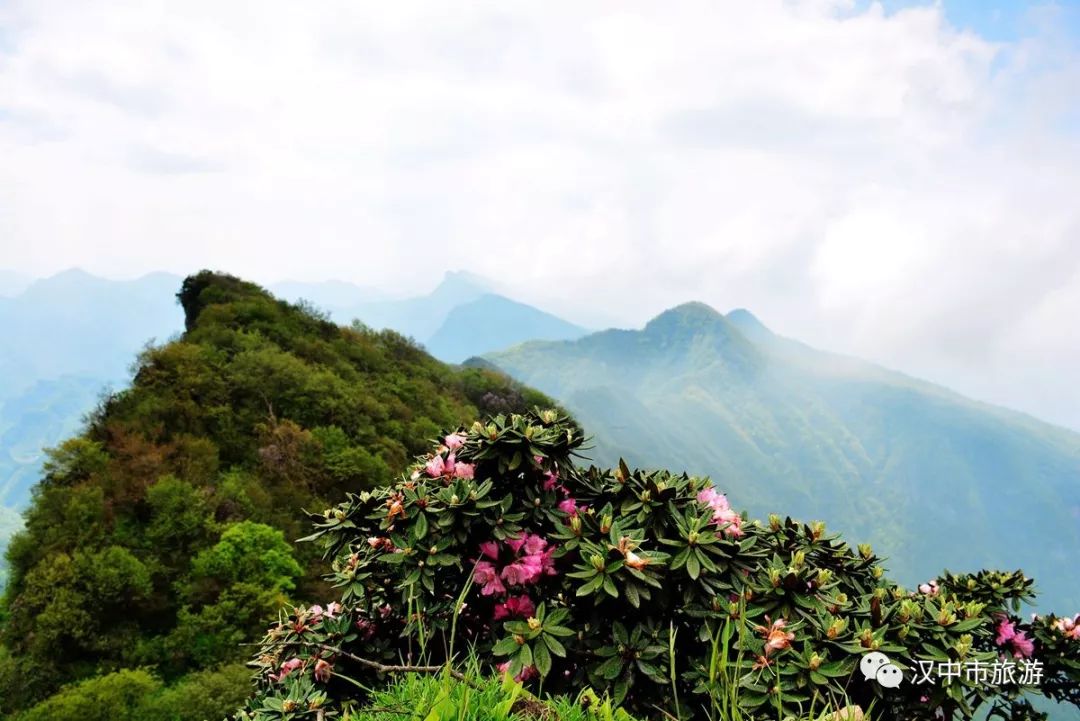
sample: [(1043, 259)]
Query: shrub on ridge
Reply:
[(638, 584)]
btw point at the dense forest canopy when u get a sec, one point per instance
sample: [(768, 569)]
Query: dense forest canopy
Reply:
[(160, 537)]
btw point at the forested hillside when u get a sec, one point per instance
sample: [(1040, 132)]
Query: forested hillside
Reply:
[(931, 478), (160, 537)]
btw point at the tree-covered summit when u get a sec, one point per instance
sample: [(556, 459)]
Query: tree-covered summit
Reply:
[(159, 537)]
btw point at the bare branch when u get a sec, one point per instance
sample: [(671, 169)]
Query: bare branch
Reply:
[(382, 667)]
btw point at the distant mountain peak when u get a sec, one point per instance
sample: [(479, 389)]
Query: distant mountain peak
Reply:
[(463, 279), (747, 322), (691, 317), (492, 322), (72, 275)]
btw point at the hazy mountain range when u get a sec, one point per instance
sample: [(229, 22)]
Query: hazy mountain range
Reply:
[(932, 478), (70, 337)]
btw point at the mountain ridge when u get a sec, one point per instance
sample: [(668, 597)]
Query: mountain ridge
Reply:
[(258, 410), (880, 454)]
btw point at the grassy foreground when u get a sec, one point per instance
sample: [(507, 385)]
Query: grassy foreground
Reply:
[(426, 697)]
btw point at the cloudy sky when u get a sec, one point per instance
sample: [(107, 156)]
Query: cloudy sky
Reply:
[(899, 181)]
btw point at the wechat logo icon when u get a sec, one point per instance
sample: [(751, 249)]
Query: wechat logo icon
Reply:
[(877, 666)]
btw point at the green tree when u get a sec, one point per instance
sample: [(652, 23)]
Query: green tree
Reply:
[(115, 697), (157, 535), (248, 552)]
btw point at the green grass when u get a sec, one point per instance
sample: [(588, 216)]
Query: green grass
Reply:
[(426, 697), (419, 697), (474, 696)]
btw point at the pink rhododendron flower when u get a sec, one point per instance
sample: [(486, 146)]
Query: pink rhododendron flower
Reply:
[(316, 611), (533, 559), (524, 675), (731, 521), (485, 575), (1005, 631), (378, 543), (454, 440), (438, 467), (547, 561), (515, 607), (551, 480), (1069, 627), (723, 515), (929, 589), (522, 572), (534, 544), (322, 670), (1022, 645), (568, 506), (366, 628), (490, 549), (714, 500), (1007, 634), (286, 668), (332, 609), (776, 638), (435, 467)]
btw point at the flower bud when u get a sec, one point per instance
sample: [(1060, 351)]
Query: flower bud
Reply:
[(866, 551), (534, 623), (774, 522)]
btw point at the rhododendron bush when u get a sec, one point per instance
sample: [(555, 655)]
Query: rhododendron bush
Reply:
[(632, 583)]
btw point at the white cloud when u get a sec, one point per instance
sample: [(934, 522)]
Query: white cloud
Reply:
[(876, 183)]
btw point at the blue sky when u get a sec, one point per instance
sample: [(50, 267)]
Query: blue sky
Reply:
[(1001, 20)]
